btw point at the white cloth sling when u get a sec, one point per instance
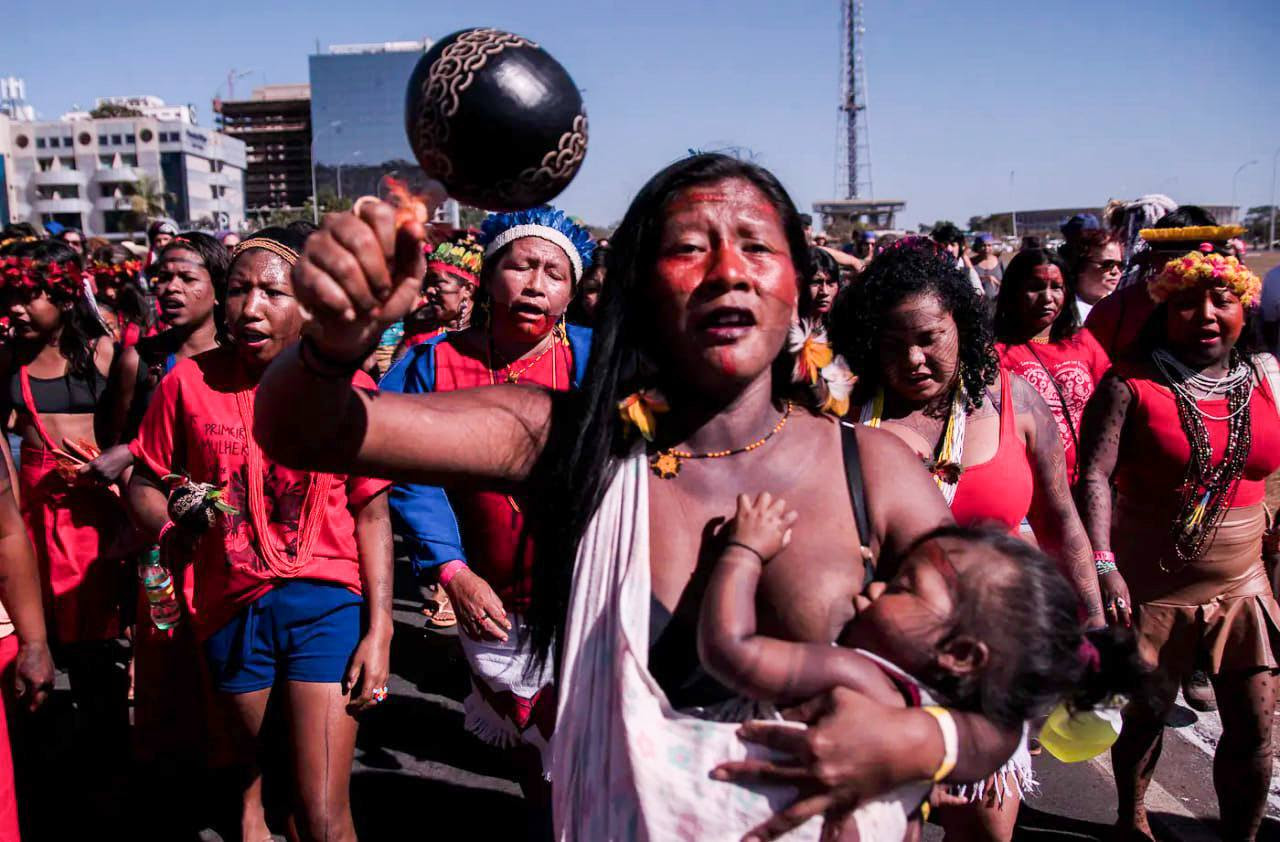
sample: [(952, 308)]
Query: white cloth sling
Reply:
[(626, 766)]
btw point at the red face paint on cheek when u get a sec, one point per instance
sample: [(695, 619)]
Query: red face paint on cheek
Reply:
[(678, 276), (727, 363)]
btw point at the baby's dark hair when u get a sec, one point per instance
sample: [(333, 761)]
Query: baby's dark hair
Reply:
[(1028, 615)]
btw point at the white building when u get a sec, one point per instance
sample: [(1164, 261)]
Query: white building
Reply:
[(13, 99), (82, 172), (148, 106)]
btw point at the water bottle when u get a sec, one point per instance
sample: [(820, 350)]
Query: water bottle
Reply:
[(156, 579)]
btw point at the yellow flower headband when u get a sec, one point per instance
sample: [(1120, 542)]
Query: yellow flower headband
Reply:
[(1212, 233), (1205, 268)]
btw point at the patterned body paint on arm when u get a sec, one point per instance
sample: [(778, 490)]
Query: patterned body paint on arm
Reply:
[(1056, 521)]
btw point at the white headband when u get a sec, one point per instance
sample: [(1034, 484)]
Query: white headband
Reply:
[(544, 232)]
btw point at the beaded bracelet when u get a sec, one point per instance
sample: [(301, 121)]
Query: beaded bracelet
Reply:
[(1104, 562)]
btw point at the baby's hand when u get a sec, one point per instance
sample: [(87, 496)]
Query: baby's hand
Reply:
[(763, 524)]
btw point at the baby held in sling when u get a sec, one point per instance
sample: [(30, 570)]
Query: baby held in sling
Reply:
[(973, 619)]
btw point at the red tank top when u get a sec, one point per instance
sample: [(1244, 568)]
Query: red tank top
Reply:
[(999, 490), (1154, 451)]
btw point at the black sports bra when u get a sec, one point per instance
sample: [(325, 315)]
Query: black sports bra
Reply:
[(69, 394), (673, 640)]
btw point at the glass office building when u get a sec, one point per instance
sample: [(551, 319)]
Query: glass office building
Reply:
[(357, 118)]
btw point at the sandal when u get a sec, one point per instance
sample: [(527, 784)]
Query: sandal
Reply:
[(442, 617)]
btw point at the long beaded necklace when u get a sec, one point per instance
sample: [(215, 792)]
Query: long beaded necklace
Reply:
[(947, 463), (1196, 387), (1207, 489), (666, 463)]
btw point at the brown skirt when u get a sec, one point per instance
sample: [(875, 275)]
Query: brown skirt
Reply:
[(1220, 605)]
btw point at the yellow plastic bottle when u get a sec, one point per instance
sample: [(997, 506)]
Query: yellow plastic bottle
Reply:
[(1073, 738)]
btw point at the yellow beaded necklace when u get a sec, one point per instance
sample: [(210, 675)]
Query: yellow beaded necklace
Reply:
[(666, 463)]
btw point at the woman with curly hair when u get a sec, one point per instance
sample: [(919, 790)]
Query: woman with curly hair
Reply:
[(1039, 338), (915, 333)]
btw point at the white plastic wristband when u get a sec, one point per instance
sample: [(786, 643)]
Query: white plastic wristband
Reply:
[(950, 741)]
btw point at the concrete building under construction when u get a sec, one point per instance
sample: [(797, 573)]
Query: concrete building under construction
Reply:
[(275, 126)]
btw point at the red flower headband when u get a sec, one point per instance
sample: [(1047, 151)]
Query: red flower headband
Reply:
[(114, 275), (24, 273)]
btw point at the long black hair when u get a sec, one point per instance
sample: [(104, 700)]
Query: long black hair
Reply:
[(586, 433), (913, 266), (81, 329), (820, 260), (1008, 318)]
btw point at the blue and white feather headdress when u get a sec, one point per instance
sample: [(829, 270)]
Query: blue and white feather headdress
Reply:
[(545, 222)]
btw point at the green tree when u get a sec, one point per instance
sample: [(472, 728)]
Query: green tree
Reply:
[(1257, 222), (331, 202), (111, 109), (146, 201)]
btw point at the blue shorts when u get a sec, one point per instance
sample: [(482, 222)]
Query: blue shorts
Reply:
[(303, 630)]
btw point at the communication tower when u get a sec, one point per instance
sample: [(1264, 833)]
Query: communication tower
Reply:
[(853, 145)]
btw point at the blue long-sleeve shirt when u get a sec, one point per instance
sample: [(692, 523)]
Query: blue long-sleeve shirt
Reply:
[(421, 515)]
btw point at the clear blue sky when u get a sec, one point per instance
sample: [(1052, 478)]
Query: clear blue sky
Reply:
[(1084, 99)]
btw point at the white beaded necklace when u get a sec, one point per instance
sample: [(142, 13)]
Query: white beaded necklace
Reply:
[(1196, 387)]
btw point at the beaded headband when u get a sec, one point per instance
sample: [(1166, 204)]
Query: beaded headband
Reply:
[(462, 259), (279, 249), (1206, 268)]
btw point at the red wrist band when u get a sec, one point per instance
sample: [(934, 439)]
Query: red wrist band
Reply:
[(450, 569)]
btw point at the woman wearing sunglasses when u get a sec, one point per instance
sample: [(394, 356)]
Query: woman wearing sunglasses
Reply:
[(1097, 261)]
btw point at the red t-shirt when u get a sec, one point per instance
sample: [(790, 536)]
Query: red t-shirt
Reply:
[(1117, 320), (492, 525), (193, 427), (1076, 365)]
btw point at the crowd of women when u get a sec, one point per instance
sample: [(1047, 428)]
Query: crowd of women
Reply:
[(674, 488)]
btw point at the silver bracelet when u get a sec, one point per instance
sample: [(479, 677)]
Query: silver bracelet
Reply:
[(1105, 567)]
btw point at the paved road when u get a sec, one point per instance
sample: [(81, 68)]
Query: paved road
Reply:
[(1077, 802), (418, 775)]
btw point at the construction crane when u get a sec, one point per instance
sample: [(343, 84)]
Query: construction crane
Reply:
[(853, 146), (232, 76)]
